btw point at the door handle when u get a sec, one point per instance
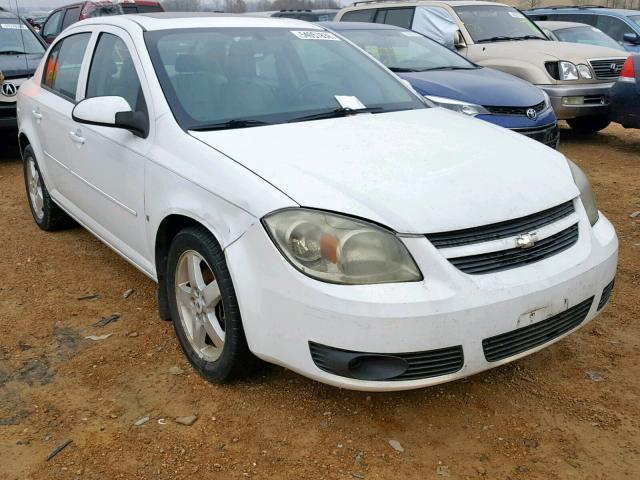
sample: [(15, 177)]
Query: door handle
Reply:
[(75, 137), (37, 115)]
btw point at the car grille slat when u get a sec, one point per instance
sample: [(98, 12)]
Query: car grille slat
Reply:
[(602, 68), (499, 110), (432, 363), (522, 339), (500, 230), (516, 257), (606, 293)]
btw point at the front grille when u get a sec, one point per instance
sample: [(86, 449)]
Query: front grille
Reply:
[(602, 68), (606, 294), (525, 338), (547, 135), (515, 110), (517, 257), (496, 231), (432, 363)]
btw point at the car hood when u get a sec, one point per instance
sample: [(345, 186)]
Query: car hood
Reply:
[(16, 66), (418, 171), (544, 50), (483, 86)]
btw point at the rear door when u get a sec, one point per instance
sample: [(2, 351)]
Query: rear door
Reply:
[(52, 109)]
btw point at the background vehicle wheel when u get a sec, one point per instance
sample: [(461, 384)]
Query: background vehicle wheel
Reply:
[(204, 307), (47, 215), (590, 124)]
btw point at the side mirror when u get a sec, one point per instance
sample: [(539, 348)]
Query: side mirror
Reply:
[(112, 112), (632, 38), (458, 40)]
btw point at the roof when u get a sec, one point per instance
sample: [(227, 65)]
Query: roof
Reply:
[(620, 11), (177, 20), (348, 26), (393, 3), (559, 25)]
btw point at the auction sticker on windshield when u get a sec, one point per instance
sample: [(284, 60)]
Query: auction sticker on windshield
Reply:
[(13, 26), (311, 35)]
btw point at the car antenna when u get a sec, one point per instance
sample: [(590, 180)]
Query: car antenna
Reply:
[(24, 46)]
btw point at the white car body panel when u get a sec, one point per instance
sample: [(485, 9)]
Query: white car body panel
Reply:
[(415, 172)]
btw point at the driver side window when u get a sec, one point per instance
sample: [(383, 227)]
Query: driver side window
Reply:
[(113, 73)]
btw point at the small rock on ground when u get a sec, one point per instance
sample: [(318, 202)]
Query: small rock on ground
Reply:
[(442, 470), (176, 371), (635, 214), (396, 446), (188, 421), (142, 421), (128, 293), (594, 376)]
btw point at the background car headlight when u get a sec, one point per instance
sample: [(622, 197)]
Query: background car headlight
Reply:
[(568, 71), (458, 106), (586, 193), (585, 72), (337, 249)]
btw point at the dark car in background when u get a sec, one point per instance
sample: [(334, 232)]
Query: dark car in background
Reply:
[(621, 25), (20, 52), (577, 33), (323, 15), (62, 17), (625, 95), (451, 81)]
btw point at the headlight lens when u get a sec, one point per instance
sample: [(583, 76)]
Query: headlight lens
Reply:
[(337, 249), (458, 106), (585, 72), (586, 193), (568, 71)]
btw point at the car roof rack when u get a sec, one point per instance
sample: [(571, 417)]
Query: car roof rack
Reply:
[(366, 2), (556, 7)]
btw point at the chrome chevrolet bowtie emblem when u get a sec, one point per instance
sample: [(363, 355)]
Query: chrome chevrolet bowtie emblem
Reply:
[(531, 113), (526, 240), (9, 89)]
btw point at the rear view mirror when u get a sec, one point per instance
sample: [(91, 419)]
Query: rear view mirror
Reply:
[(632, 38), (458, 40), (111, 112)]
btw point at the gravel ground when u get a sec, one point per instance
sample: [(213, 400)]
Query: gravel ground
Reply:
[(542, 417)]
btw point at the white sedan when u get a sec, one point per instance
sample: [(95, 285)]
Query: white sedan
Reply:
[(297, 203)]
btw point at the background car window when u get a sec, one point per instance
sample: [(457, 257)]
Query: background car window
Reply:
[(50, 28), (17, 37), (63, 65), (113, 72), (400, 17), (587, 35), (71, 17), (635, 19), (359, 16), (587, 18), (614, 27)]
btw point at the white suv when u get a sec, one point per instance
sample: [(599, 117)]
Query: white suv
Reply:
[(297, 203)]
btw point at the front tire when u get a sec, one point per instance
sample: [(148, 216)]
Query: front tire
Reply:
[(589, 124), (204, 308), (47, 215)]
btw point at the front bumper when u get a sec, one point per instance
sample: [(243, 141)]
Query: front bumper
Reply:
[(595, 99), (543, 128), (547, 134), (8, 117), (284, 312)]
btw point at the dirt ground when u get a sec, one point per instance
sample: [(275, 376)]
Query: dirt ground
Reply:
[(541, 417)]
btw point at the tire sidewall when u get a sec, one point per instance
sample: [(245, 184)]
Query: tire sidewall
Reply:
[(26, 155)]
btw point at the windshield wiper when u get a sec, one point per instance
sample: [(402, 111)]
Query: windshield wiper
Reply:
[(336, 113), (12, 52), (529, 37), (405, 69), (448, 68), (229, 125), (506, 39)]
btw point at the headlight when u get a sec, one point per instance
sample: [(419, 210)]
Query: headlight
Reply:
[(458, 106), (585, 72), (586, 193), (568, 71), (338, 249)]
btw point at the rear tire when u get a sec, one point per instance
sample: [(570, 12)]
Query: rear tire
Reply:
[(47, 215), (204, 308), (589, 124)]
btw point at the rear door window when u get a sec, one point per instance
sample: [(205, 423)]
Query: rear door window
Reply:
[(400, 17), (71, 17), (62, 69), (359, 16), (51, 27)]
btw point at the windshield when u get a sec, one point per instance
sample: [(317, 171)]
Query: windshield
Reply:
[(267, 75), (16, 38), (588, 35), (493, 23), (402, 50)]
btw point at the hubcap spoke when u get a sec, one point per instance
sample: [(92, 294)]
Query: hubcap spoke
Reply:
[(211, 294), (195, 273), (198, 332), (183, 295), (214, 330)]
